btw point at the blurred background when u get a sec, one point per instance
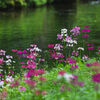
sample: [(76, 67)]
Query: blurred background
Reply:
[(23, 22)]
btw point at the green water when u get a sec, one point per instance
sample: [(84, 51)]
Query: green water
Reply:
[(41, 25)]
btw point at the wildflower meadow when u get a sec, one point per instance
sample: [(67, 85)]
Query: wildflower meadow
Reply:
[(67, 70)]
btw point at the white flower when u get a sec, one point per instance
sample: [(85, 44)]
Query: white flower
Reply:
[(68, 77), (70, 45), (58, 47), (14, 61), (8, 85), (37, 49), (8, 62), (9, 79), (63, 31), (1, 83), (80, 48), (74, 41), (8, 57)]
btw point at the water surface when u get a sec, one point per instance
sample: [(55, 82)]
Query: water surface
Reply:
[(18, 29)]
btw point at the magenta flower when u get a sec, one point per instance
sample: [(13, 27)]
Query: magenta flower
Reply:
[(71, 61), (75, 53), (85, 35), (81, 84), (74, 67), (51, 45), (62, 88), (21, 88), (24, 51), (90, 48), (23, 66), (0, 74), (88, 65), (61, 60), (85, 30), (31, 64), (99, 47), (19, 52), (96, 78), (55, 56)]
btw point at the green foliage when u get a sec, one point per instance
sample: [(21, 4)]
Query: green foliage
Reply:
[(86, 92), (17, 3)]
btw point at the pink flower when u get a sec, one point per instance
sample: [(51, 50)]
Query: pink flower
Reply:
[(98, 52), (1, 61), (21, 88), (81, 84), (11, 71), (14, 50), (23, 66), (31, 64), (4, 93), (62, 72), (40, 71), (43, 93), (14, 84), (30, 73), (33, 45), (59, 36), (2, 52), (75, 53), (37, 92), (41, 60), (30, 82), (58, 47), (43, 79), (96, 64), (75, 30)]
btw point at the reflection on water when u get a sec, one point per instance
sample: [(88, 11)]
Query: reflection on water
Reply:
[(40, 25)]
